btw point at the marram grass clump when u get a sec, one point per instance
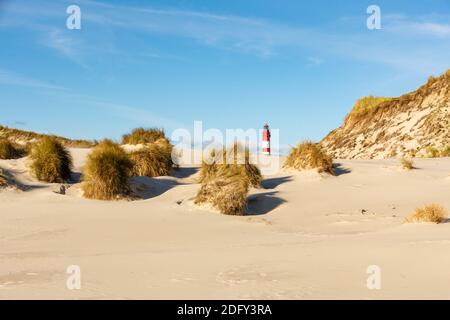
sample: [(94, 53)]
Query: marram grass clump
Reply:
[(226, 191), (50, 161), (432, 213), (153, 160), (9, 150), (406, 164), (364, 107), (308, 155), (226, 177), (106, 172), (235, 156), (143, 136), (3, 180)]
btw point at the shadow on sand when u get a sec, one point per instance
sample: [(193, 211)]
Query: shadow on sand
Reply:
[(75, 177), (146, 188), (263, 203), (275, 182), (183, 172), (340, 170), (9, 175)]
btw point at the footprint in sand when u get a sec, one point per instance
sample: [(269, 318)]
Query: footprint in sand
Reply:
[(239, 275)]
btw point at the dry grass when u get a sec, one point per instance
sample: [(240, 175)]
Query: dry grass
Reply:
[(28, 136), (153, 160), (407, 164), (3, 180), (51, 161), (432, 213), (143, 136), (9, 150), (235, 156), (106, 172), (226, 191), (433, 152), (364, 107), (445, 152), (226, 177), (308, 155)]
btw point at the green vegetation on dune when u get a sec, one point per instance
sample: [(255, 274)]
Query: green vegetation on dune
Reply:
[(364, 107), (9, 150), (226, 191), (432, 213), (308, 155), (235, 156), (24, 136), (225, 180), (106, 172), (152, 160), (51, 161), (143, 136), (3, 180)]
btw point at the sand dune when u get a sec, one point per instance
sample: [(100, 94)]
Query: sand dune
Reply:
[(306, 236)]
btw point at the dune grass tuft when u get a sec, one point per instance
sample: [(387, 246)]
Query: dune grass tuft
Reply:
[(153, 160), (407, 164), (235, 156), (51, 161), (445, 152), (432, 213), (9, 150), (3, 180), (226, 177), (365, 106), (143, 136), (308, 155), (226, 191), (432, 152), (106, 172)]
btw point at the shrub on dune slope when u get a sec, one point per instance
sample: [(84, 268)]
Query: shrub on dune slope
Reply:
[(433, 213), (227, 191), (226, 177), (51, 161), (236, 156), (9, 150), (406, 164), (106, 172), (3, 180), (309, 155), (153, 160), (143, 136)]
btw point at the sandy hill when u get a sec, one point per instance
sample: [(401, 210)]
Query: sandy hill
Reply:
[(409, 125), (24, 137), (304, 237)]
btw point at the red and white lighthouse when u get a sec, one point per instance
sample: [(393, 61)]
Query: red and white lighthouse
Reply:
[(266, 140)]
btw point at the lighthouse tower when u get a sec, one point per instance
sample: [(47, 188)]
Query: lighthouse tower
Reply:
[(266, 140)]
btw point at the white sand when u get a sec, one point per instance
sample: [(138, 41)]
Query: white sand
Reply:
[(306, 238)]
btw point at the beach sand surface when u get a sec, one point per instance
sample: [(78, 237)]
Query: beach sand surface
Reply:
[(306, 236)]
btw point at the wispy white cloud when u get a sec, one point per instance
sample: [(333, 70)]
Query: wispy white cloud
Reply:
[(65, 44), (436, 29), (414, 27), (139, 115), (314, 61), (15, 79), (253, 36)]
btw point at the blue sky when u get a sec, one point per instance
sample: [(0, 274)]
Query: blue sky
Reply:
[(300, 65)]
